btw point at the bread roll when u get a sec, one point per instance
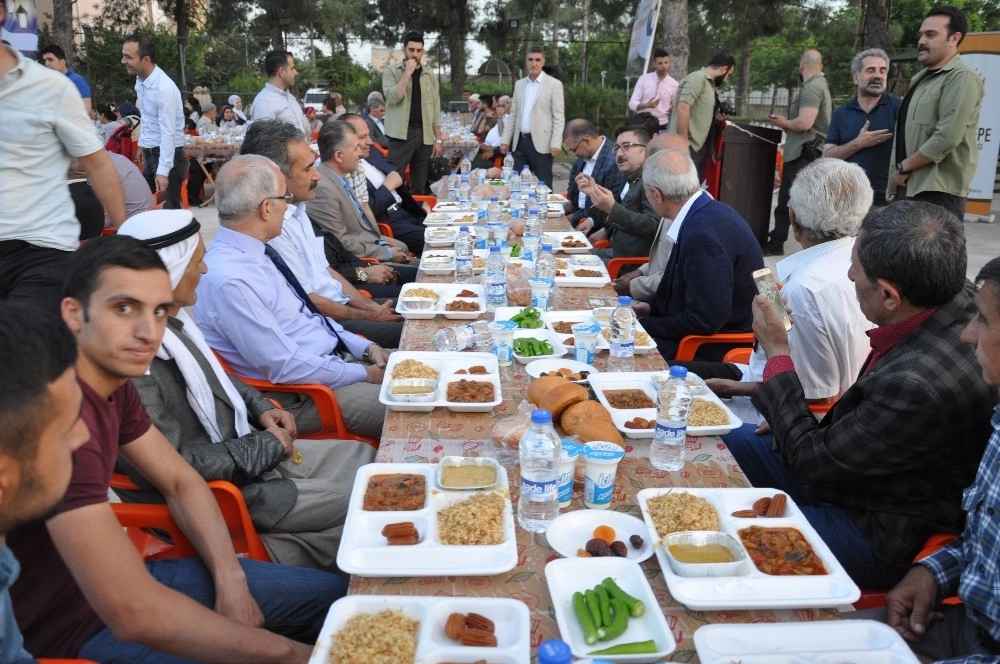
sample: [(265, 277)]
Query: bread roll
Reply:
[(579, 416), (555, 394), (601, 431)]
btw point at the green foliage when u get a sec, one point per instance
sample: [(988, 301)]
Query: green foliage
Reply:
[(602, 55)]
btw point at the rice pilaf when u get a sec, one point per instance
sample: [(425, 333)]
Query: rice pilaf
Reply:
[(678, 511), (388, 637), (476, 520)]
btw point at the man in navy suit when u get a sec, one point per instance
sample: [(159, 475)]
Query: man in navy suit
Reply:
[(388, 196), (595, 158), (707, 286)]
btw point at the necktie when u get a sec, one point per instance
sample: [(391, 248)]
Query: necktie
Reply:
[(289, 276)]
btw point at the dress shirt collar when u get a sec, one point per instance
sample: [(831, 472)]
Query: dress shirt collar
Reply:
[(152, 81), (275, 89), (597, 153), (675, 228), (528, 81), (887, 337), (248, 245), (19, 61), (803, 259)]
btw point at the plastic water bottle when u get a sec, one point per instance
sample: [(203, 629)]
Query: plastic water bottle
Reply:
[(532, 197), (465, 194), (533, 224), (542, 191), (508, 166), (545, 265), (538, 505), (495, 280), (673, 406), (461, 337), (515, 187), (466, 167), (525, 174), (463, 255), (622, 355), (453, 181), (493, 211)]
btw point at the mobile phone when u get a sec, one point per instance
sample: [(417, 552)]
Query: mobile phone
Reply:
[(768, 287)]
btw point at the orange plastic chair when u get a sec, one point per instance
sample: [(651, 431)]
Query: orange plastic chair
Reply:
[(385, 229), (602, 244), (384, 151), (873, 599), (689, 345), (615, 265), (331, 421), (738, 355), (429, 200), (108, 230)]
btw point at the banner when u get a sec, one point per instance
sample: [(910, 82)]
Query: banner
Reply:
[(982, 52), (643, 31), (21, 27)]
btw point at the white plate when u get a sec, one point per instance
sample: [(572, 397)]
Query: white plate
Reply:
[(539, 333), (449, 206), (754, 589), (557, 237), (446, 293), (571, 531), (572, 279), (860, 641), (441, 269), (450, 217), (363, 550), (446, 364), (511, 617), (644, 381), (569, 575), (440, 237), (538, 367), (557, 198)]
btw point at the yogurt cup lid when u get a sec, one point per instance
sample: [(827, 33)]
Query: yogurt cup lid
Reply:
[(599, 450), (584, 328), (504, 325), (571, 450)]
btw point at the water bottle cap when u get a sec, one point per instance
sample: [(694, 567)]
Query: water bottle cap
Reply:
[(463, 229), (533, 211), (546, 247), (494, 199), (554, 651), (678, 372), (624, 300), (495, 249), (540, 416), (541, 182)]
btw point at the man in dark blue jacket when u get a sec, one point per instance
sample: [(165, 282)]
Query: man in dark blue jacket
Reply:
[(594, 158), (707, 286)]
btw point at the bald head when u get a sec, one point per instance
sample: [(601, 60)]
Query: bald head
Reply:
[(667, 142), (811, 63), (241, 185), (577, 128)]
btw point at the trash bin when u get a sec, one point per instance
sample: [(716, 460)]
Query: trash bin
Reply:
[(747, 180)]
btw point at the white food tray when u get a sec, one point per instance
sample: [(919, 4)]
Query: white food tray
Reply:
[(639, 380), (511, 618), (568, 575), (448, 267), (538, 333), (446, 293), (554, 210), (586, 316), (446, 365), (833, 642), (363, 550), (753, 589), (557, 237), (450, 217), (440, 236)]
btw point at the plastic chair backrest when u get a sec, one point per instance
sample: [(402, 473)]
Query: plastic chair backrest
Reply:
[(689, 345), (615, 265), (738, 356)]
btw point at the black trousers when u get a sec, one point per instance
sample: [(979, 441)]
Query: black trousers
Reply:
[(177, 175), (950, 202), (31, 274), (781, 219), (539, 163), (413, 153)]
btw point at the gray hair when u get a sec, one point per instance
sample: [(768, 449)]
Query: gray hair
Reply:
[(270, 138), (830, 198), (333, 137), (868, 53), (672, 173), (242, 184), (375, 98)]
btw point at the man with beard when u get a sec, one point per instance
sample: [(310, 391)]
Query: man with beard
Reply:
[(693, 115), (861, 130)]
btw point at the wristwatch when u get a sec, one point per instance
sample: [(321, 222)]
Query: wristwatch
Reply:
[(366, 356), (362, 274), (438, 141), (901, 170)]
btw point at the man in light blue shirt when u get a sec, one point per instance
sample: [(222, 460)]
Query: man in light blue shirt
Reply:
[(274, 101), (41, 428), (257, 315)]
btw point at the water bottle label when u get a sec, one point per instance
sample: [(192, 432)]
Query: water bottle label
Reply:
[(670, 435), (622, 348), (463, 264), (533, 490)]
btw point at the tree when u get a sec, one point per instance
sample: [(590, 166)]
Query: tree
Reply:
[(675, 36), (875, 31), (62, 26)]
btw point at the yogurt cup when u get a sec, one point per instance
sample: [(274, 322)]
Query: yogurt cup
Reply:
[(503, 340), (482, 237), (541, 288), (585, 341), (601, 471), (568, 455)]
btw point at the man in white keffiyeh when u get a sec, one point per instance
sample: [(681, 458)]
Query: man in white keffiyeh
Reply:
[(297, 491)]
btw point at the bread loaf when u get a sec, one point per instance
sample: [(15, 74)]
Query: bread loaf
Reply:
[(579, 416), (555, 394)]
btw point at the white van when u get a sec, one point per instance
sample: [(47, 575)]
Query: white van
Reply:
[(314, 98)]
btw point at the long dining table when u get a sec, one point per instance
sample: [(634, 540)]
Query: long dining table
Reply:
[(415, 437)]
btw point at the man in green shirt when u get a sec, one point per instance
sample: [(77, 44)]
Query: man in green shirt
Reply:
[(694, 114), (805, 131), (935, 150)]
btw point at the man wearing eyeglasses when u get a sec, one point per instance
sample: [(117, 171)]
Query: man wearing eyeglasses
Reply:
[(625, 216), (594, 158)]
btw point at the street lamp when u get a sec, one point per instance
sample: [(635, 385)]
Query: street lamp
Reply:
[(22, 16)]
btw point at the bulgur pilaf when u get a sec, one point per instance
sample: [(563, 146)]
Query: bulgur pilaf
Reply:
[(678, 511), (388, 637), (476, 520), (413, 369), (705, 413)]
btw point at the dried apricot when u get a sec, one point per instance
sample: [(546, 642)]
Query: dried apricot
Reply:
[(606, 533)]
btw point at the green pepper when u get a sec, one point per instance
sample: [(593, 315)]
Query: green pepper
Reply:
[(634, 648), (605, 604), (593, 607), (590, 631), (619, 620), (635, 607), (515, 250)]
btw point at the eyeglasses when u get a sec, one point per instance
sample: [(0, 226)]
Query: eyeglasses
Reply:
[(626, 146), (286, 197)]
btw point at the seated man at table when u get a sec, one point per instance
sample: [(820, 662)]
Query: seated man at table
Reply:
[(624, 217), (296, 490), (965, 565), (595, 158), (827, 203), (707, 284), (886, 467), (298, 245), (257, 315), (84, 591)]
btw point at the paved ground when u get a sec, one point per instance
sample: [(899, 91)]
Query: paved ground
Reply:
[(983, 239)]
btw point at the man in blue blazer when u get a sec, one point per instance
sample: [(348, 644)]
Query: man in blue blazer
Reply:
[(595, 158), (707, 286)]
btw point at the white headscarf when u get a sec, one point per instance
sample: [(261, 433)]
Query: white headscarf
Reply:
[(156, 227)]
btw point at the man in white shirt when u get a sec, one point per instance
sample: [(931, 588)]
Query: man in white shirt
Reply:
[(654, 92), (595, 159), (535, 127), (274, 101), (829, 199), (42, 126), (161, 134)]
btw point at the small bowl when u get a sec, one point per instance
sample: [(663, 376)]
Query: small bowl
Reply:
[(701, 538), (475, 464), (418, 303), (603, 315), (413, 390)]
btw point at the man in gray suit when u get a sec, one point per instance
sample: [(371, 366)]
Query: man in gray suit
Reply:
[(535, 126), (335, 210), (376, 125), (297, 491)]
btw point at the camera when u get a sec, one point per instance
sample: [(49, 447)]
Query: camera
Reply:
[(726, 108)]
